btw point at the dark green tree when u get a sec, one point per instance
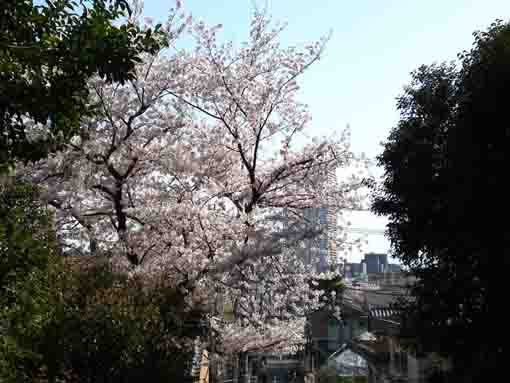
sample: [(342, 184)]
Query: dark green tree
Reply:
[(27, 264), (114, 329), (444, 191), (73, 319), (47, 54)]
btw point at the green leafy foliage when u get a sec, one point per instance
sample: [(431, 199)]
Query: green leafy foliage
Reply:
[(47, 54), (443, 189), (74, 319), (27, 264), (116, 329)]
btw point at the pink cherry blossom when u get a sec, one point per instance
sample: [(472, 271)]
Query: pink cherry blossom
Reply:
[(188, 169)]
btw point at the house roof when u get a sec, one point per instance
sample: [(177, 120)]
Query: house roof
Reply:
[(383, 312), (376, 304)]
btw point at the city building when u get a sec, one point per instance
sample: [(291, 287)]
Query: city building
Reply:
[(321, 251), (394, 268), (353, 270), (373, 266), (376, 263)]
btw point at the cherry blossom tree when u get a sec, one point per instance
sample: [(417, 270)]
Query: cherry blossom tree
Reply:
[(186, 172)]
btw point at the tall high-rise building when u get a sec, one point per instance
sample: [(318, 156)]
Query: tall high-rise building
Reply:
[(322, 250), (376, 263)]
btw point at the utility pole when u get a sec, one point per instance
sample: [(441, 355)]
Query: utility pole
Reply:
[(246, 369), (213, 370)]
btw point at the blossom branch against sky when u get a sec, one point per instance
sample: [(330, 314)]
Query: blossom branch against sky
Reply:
[(186, 169), (373, 48)]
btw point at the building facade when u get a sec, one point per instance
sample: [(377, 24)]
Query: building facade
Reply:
[(376, 263), (321, 251), (373, 264)]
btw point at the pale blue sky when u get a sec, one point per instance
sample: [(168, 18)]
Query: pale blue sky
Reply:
[(374, 46)]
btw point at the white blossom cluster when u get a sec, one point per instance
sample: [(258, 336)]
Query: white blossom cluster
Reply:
[(178, 176)]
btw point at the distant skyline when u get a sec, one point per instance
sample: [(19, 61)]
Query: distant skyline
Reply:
[(374, 47)]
